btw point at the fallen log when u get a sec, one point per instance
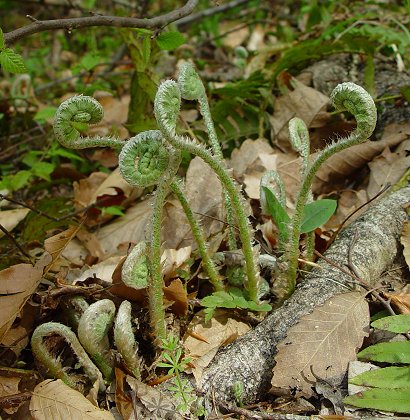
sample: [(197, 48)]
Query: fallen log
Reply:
[(250, 359)]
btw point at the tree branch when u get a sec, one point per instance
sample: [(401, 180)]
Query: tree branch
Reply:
[(114, 21)]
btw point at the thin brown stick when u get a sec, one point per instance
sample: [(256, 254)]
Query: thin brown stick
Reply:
[(331, 240), (112, 21), (13, 239)]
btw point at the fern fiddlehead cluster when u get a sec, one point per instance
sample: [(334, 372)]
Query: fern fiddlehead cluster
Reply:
[(346, 96), (169, 95), (145, 160), (94, 326)]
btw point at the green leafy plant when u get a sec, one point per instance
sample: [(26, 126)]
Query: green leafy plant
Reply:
[(388, 387), (234, 298), (173, 360), (9, 60), (308, 215)]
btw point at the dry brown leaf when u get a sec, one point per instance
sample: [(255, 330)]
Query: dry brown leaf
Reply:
[(129, 228), (56, 244), (387, 168), (176, 293), (9, 385), (235, 35), (17, 284), (405, 241), (84, 189), (203, 340), (303, 102), (346, 162), (322, 342), (56, 400), (150, 402), (255, 157), (172, 259), (400, 301), (204, 194), (110, 186), (103, 270), (18, 336), (9, 219)]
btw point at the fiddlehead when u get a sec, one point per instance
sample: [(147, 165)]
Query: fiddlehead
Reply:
[(135, 271), (167, 90), (272, 179), (190, 84), (124, 339), (357, 101), (166, 107), (146, 159), (360, 104), (93, 328), (192, 88), (73, 308), (53, 362), (299, 139), (81, 109)]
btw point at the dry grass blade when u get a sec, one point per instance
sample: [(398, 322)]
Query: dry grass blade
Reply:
[(323, 342), (55, 400)]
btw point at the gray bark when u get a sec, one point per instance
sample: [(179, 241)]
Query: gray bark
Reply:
[(250, 359)]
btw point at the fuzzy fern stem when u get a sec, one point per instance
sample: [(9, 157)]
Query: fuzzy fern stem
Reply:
[(346, 96), (207, 262), (166, 108), (192, 88)]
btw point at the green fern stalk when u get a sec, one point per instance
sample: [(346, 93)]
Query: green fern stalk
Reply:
[(166, 108), (199, 238), (346, 96), (192, 88)]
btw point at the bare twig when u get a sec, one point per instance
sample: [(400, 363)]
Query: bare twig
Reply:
[(209, 12), (13, 239), (113, 21)]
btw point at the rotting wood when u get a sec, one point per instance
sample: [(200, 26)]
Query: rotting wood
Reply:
[(250, 359)]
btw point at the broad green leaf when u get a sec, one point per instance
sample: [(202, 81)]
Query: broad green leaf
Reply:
[(11, 61), (396, 323), (394, 400), (45, 113), (43, 170), (2, 40), (90, 60), (395, 352), (58, 151), (20, 179), (316, 214), (170, 40), (389, 377), (277, 212)]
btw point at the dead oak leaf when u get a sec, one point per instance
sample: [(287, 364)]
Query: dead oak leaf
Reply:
[(321, 344)]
